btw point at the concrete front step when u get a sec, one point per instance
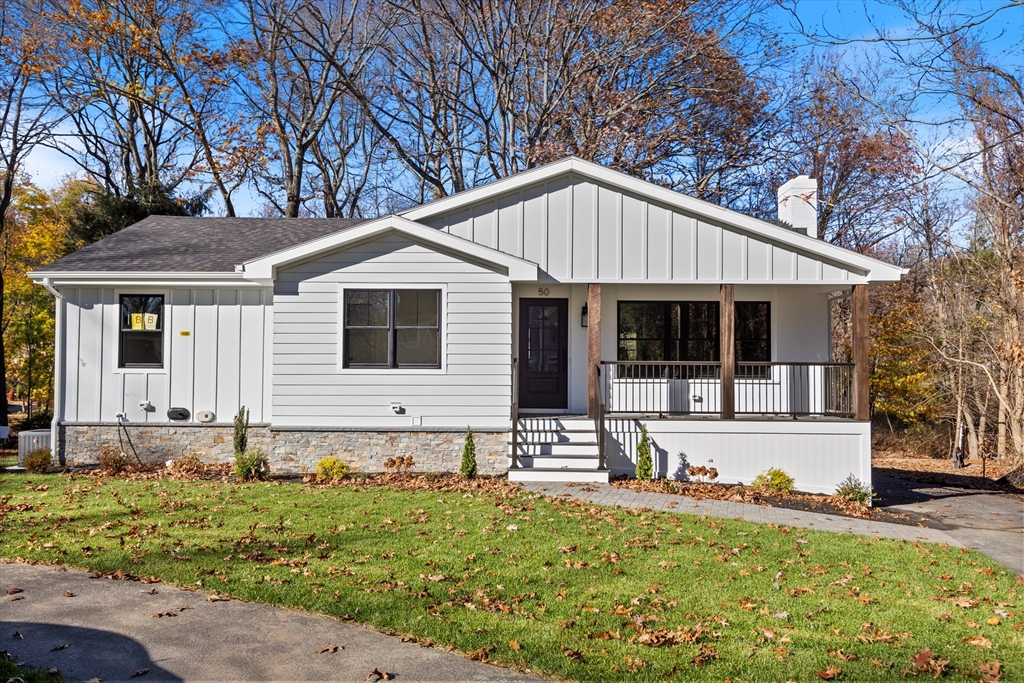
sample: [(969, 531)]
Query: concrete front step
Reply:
[(558, 474), (551, 462), (566, 449), (556, 424)]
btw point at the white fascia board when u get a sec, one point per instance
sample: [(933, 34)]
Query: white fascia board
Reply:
[(265, 268), (872, 269), (139, 279)]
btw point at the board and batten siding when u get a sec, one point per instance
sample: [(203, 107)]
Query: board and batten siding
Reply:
[(218, 366), (578, 230), (312, 389)]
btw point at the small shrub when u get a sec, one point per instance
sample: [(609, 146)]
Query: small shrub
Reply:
[(38, 460), (644, 465), (775, 481), (241, 436), (468, 469), (114, 460), (331, 469), (854, 490), (251, 465), (187, 466)]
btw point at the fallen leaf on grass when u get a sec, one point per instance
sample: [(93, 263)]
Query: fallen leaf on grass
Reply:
[(574, 655), (514, 644), (994, 621), (378, 675), (924, 662), (990, 671), (846, 657), (53, 671), (706, 654), (331, 647), (979, 641), (966, 603), (62, 646), (480, 655), (828, 674), (140, 672), (68, 594)]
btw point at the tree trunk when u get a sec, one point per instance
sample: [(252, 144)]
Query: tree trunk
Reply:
[(3, 358)]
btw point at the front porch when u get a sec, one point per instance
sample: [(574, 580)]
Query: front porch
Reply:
[(740, 416)]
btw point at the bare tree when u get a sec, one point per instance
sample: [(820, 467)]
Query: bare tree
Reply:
[(26, 120), (113, 91)]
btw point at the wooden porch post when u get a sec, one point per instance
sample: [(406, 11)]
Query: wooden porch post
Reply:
[(593, 345), (727, 348), (861, 341)]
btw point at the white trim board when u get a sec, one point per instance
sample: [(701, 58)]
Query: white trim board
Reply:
[(264, 269)]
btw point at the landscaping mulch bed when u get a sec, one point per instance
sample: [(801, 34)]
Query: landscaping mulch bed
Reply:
[(805, 502)]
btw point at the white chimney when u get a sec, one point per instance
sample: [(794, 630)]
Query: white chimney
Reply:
[(798, 204)]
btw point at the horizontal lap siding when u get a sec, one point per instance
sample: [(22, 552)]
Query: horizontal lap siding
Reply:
[(577, 230), (311, 388), (216, 367)]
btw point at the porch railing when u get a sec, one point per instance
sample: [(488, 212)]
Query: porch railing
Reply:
[(515, 413), (688, 388), (599, 422), (794, 389)]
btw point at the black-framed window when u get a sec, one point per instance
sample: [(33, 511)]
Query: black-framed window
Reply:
[(141, 343), (688, 331), (392, 328)]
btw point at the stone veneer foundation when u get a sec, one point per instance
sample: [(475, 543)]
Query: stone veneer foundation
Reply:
[(290, 450)]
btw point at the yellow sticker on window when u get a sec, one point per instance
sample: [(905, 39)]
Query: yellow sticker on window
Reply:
[(137, 321), (185, 333), (150, 320)]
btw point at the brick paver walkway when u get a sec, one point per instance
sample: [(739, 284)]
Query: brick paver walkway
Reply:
[(605, 494)]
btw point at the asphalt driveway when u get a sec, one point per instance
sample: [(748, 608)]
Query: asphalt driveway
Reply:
[(991, 522), (110, 633)]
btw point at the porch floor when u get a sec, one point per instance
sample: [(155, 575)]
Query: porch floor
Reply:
[(690, 417)]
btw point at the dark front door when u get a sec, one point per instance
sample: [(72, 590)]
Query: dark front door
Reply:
[(544, 353)]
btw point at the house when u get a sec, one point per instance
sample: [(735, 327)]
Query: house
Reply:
[(553, 312)]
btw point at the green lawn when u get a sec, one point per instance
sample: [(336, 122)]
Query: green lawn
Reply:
[(566, 590)]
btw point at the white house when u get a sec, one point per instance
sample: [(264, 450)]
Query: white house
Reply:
[(570, 302)]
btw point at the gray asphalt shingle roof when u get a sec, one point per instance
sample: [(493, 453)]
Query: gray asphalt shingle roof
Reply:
[(187, 244)]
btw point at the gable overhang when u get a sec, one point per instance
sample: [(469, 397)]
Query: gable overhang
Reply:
[(109, 278), (264, 269), (864, 268)]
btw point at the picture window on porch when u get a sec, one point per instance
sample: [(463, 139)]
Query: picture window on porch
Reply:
[(688, 331), (392, 328), (142, 332)]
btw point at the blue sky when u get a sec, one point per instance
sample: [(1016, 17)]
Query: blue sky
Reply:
[(846, 19)]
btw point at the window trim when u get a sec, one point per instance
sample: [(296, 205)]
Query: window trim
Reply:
[(165, 330), (665, 303), (392, 366)]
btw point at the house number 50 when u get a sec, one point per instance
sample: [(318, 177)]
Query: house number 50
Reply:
[(543, 291)]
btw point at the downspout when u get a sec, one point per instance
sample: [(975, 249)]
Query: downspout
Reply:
[(58, 372)]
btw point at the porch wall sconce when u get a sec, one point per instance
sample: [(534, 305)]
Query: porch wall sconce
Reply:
[(583, 316)]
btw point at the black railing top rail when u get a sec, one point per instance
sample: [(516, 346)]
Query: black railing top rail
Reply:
[(660, 362), (715, 362), (793, 362)]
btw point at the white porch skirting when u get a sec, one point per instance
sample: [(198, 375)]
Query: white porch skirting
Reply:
[(818, 454)]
